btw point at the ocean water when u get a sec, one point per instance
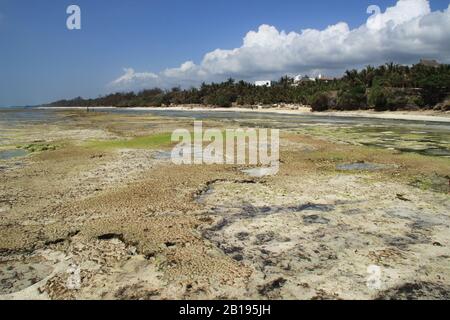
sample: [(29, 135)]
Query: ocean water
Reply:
[(23, 116), (15, 119)]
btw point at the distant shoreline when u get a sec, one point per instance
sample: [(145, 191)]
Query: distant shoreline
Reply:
[(435, 116)]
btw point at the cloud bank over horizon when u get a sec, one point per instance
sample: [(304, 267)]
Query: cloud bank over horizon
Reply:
[(403, 33)]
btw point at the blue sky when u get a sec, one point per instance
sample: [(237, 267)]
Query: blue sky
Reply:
[(41, 60)]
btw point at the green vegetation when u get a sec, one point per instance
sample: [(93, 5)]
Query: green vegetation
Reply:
[(352, 97), (320, 102), (144, 142), (388, 87), (38, 147), (378, 98), (433, 182)]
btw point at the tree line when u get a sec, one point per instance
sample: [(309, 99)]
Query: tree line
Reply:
[(387, 87)]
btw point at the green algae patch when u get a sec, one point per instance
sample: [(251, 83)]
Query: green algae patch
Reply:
[(144, 142), (147, 142), (433, 182), (38, 147), (408, 140)]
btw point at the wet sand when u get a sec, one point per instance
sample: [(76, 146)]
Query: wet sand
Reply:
[(136, 226)]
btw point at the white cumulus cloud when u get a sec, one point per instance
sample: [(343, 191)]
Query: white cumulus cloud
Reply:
[(402, 34), (131, 77)]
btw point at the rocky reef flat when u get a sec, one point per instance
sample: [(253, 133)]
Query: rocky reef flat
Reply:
[(90, 208)]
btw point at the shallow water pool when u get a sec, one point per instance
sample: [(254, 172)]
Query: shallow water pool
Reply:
[(13, 153)]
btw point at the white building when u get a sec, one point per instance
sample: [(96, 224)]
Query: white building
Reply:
[(264, 83), (304, 78)]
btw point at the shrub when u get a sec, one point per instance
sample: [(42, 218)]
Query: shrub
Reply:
[(223, 101), (378, 98), (319, 102), (396, 102), (220, 100), (352, 98)]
